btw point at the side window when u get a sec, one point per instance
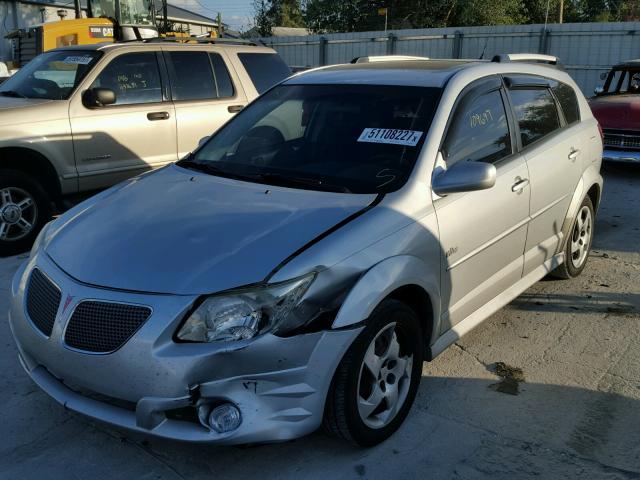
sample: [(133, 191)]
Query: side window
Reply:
[(536, 113), (265, 69), (479, 130), (134, 77), (223, 79), (568, 102), (191, 76)]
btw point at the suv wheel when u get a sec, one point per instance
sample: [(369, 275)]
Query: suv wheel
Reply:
[(24, 209), (576, 251), (377, 380)]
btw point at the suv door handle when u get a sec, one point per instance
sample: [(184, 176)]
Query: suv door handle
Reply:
[(234, 108), (153, 116), (573, 154), (520, 184)]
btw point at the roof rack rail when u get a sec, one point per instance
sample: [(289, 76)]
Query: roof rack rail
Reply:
[(385, 58), (221, 41), (526, 57)]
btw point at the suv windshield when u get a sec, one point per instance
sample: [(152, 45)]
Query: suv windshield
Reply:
[(51, 75), (342, 138), (621, 82)]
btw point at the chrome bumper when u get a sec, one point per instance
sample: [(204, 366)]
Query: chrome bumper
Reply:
[(278, 384), (621, 156)]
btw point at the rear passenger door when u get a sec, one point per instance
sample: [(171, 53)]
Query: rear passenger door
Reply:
[(550, 142), (205, 93), (482, 233)]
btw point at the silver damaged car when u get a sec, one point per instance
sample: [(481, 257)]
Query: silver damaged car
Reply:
[(299, 267)]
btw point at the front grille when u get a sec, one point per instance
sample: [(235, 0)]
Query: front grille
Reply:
[(622, 139), (102, 327), (43, 299)]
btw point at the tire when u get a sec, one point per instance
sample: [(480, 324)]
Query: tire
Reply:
[(24, 209), (354, 383), (578, 244)]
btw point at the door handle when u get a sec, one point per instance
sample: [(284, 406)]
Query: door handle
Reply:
[(519, 185), (234, 108), (153, 116), (573, 154)]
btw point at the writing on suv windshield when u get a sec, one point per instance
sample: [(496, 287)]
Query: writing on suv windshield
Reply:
[(51, 75), (342, 138)]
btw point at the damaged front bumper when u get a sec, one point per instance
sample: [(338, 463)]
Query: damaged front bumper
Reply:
[(155, 386)]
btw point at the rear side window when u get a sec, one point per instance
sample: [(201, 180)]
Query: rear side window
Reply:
[(265, 69), (223, 79), (568, 102), (191, 76), (134, 77), (536, 113), (479, 130)]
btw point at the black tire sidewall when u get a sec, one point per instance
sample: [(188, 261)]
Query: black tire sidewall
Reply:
[(14, 178), (571, 269), (409, 326)]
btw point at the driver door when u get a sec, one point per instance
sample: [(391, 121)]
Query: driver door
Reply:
[(136, 134), (482, 233)]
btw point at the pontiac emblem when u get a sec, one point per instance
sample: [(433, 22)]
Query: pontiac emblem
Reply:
[(67, 302)]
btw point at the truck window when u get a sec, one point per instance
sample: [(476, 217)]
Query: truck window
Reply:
[(265, 69), (134, 77), (536, 113), (223, 79), (191, 76), (568, 102)]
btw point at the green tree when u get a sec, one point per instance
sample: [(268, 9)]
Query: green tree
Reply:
[(262, 19)]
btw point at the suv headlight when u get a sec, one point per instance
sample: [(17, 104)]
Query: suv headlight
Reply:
[(242, 314)]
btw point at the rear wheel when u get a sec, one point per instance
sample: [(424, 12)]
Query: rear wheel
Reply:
[(377, 380), (578, 244), (24, 209)]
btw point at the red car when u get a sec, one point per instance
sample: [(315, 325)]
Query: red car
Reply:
[(616, 106)]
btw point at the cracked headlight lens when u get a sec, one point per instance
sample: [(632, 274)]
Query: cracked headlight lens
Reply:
[(243, 314)]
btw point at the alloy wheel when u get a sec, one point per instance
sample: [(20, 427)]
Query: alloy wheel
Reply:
[(581, 237), (385, 378), (18, 213)]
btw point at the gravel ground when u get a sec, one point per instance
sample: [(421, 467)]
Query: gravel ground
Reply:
[(549, 387)]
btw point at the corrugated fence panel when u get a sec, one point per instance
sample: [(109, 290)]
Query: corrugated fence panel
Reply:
[(586, 49)]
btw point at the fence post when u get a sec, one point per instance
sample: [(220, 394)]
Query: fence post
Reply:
[(544, 41), (391, 44), (322, 54), (457, 44)]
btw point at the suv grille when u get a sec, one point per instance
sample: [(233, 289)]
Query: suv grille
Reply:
[(625, 139), (43, 300), (102, 327)]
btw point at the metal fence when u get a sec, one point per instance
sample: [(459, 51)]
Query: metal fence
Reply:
[(586, 49)]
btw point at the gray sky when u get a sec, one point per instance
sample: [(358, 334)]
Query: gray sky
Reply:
[(238, 14)]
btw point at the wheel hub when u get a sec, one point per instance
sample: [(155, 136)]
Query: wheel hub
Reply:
[(18, 213), (11, 213)]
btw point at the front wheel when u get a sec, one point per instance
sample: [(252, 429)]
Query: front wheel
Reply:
[(24, 209), (578, 245), (378, 378)]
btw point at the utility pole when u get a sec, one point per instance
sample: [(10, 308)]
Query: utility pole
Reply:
[(219, 25), (561, 11)]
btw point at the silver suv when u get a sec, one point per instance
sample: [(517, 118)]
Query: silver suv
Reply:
[(299, 267), (83, 118)]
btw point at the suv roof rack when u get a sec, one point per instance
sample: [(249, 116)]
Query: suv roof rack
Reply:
[(526, 57), (385, 58), (221, 41)]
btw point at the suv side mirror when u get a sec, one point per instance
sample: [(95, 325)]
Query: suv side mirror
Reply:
[(598, 90), (464, 177), (98, 97)]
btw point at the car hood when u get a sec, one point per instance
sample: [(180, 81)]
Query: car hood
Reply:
[(617, 111), (14, 111), (183, 232)]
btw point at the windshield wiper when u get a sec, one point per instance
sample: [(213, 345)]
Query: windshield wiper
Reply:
[(12, 93), (213, 170), (288, 180)]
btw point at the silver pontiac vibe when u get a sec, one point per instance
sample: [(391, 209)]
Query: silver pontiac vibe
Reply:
[(298, 268)]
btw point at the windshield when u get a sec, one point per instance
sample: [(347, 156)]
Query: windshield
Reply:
[(343, 138), (622, 82), (51, 75), (136, 12)]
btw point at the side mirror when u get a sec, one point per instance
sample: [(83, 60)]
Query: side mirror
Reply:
[(464, 177), (603, 75), (98, 97), (599, 90)]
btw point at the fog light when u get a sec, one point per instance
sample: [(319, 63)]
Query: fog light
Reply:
[(224, 418)]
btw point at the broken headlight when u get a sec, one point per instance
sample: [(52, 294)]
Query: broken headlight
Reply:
[(244, 313)]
